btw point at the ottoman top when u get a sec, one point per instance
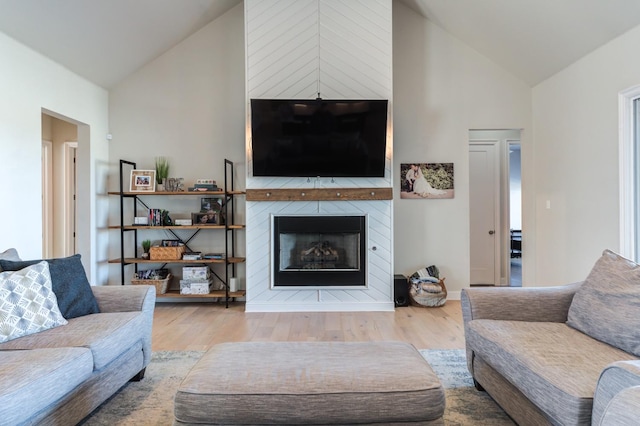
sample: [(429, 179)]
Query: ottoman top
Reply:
[(310, 367)]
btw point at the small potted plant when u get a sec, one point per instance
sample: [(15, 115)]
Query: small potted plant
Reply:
[(162, 171), (146, 246)]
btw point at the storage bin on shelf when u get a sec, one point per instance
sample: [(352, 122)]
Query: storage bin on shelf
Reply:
[(166, 253), (162, 285)]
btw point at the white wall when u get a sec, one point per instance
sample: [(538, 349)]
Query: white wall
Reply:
[(30, 83), (187, 105), (442, 88), (575, 118)]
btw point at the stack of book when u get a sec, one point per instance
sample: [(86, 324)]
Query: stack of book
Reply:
[(212, 256), (192, 255), (205, 185)]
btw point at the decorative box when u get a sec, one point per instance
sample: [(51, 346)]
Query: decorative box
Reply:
[(195, 273), (189, 287)]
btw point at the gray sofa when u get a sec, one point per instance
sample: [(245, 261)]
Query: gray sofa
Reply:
[(560, 355), (59, 376)]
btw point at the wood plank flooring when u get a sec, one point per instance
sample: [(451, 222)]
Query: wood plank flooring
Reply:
[(198, 326)]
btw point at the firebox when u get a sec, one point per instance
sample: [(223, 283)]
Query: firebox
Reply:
[(319, 251)]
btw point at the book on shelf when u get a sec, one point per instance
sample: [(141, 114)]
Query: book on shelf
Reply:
[(192, 255), (213, 256)]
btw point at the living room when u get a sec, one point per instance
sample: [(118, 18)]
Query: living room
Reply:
[(467, 90), (189, 104)]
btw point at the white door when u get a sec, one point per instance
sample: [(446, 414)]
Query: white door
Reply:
[(483, 209)]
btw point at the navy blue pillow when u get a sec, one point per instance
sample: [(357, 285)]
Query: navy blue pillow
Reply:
[(69, 282)]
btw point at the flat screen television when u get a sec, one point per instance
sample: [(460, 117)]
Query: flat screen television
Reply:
[(325, 138)]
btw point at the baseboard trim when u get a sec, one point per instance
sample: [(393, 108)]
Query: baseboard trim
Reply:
[(319, 307)]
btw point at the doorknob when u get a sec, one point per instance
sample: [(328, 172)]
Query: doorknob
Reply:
[(492, 232)]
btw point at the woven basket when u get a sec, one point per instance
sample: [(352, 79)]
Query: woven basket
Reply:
[(161, 285), (428, 299), (166, 253)]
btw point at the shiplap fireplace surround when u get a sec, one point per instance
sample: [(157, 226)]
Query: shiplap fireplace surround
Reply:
[(299, 49)]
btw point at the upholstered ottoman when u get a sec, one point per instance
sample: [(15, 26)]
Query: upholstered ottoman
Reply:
[(342, 383)]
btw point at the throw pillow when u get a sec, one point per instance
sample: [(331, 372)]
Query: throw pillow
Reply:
[(9, 254), (27, 303), (70, 284), (607, 305)]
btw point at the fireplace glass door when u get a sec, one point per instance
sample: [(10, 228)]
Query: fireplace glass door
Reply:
[(319, 251)]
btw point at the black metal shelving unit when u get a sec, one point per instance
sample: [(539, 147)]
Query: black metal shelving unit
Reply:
[(229, 228)]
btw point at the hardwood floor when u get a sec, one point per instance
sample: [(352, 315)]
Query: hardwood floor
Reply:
[(183, 326)]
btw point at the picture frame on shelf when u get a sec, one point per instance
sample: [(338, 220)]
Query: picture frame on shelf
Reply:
[(207, 218), (170, 243), (207, 204), (142, 181)]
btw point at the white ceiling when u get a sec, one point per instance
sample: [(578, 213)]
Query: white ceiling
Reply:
[(106, 40), (533, 39)]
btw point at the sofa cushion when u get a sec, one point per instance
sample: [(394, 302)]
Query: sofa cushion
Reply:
[(27, 303), (552, 364), (607, 305), (70, 284), (34, 379), (107, 335)]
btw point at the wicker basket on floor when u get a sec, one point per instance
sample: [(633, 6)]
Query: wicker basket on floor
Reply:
[(430, 299), (161, 285)]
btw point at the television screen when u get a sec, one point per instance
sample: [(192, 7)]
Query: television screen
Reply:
[(326, 138)]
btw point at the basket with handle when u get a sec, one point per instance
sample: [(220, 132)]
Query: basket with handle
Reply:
[(162, 285)]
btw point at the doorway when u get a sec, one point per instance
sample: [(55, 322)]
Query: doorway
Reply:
[(59, 187), (515, 214), (494, 207)]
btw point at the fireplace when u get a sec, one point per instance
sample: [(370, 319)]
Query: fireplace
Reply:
[(319, 251)]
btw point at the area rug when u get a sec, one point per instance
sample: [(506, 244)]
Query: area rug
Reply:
[(150, 401)]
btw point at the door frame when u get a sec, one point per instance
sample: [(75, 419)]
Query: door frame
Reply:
[(47, 199), (498, 236), (69, 206)]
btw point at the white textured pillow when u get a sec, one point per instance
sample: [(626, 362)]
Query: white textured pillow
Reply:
[(607, 305), (27, 302)]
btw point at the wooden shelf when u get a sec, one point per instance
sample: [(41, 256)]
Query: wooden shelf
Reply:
[(213, 294), (198, 193), (138, 260), (320, 194), (177, 227)]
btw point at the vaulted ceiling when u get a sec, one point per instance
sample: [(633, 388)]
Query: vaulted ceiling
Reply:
[(106, 40)]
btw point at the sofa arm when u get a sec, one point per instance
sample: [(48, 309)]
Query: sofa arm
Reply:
[(548, 304), (125, 298), (617, 397)]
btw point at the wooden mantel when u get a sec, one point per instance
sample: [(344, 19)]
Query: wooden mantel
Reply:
[(320, 194)]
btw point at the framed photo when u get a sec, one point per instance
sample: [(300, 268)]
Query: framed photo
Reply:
[(142, 181), (170, 243), (207, 218), (210, 204), (426, 180)]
